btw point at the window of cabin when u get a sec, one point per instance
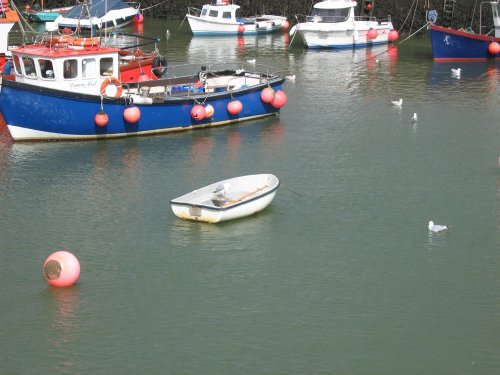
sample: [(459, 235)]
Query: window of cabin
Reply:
[(226, 15), (213, 13), (89, 68), (70, 69), (46, 69), (17, 65), (204, 12), (29, 67), (106, 67)]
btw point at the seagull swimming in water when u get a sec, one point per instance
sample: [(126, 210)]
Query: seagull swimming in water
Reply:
[(456, 72), (252, 61), (290, 78), (397, 103), (415, 117), (436, 227)]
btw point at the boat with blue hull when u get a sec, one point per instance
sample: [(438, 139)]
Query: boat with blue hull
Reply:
[(73, 92), (451, 44)]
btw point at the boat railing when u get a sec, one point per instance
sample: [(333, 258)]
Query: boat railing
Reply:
[(326, 19), (192, 11)]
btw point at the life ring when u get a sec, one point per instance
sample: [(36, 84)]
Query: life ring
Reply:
[(114, 81), (62, 39), (86, 42), (159, 66)]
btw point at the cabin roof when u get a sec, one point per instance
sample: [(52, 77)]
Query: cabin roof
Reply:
[(42, 50), (335, 4)]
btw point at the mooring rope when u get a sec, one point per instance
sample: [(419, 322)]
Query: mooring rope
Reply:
[(152, 6)]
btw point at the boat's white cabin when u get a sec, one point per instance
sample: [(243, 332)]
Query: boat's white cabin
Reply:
[(495, 10), (332, 11), (67, 68), (220, 11)]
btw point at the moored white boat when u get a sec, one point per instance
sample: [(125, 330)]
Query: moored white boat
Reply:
[(333, 24), (219, 18), (228, 199)]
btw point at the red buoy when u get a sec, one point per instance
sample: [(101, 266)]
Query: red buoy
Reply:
[(132, 114), (27, 7), (267, 95), (494, 48), (241, 28), (368, 6), (101, 118), (372, 34), (280, 99), (286, 25), (61, 269), (209, 111), (234, 107), (198, 112), (139, 18), (393, 35)]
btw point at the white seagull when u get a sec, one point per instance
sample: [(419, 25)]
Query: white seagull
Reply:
[(415, 117), (221, 190), (397, 103), (456, 72), (436, 227), (290, 78), (252, 61)]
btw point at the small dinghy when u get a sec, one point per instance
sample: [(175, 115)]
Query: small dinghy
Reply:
[(228, 199)]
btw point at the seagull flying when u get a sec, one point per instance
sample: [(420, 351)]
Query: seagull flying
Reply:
[(456, 72), (415, 117), (397, 103), (252, 61), (436, 227)]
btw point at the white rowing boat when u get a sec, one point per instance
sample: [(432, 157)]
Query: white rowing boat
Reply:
[(228, 199)]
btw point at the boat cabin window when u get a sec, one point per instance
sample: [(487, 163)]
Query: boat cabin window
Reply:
[(204, 12), (17, 64), (330, 15), (46, 69), (106, 67), (226, 15), (70, 69), (213, 13), (29, 67), (89, 68)]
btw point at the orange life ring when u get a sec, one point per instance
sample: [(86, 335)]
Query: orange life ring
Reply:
[(114, 81), (86, 42), (62, 39)]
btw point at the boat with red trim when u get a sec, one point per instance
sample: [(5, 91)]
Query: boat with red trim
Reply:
[(451, 44), (77, 90), (8, 18)]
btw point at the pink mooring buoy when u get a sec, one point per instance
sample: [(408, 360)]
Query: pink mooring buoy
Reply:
[(234, 107), (372, 33), (494, 48), (393, 35), (267, 95), (132, 114), (101, 118), (241, 29), (280, 99), (198, 112), (61, 268), (209, 111)]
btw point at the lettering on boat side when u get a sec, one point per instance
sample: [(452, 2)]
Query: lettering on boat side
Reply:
[(83, 85)]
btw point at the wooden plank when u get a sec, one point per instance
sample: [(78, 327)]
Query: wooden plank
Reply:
[(244, 196)]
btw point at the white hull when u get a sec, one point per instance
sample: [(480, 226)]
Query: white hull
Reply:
[(112, 19), (248, 195), (264, 24), (5, 28)]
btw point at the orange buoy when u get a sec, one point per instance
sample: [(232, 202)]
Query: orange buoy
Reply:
[(241, 28), (286, 25), (267, 95), (198, 112), (393, 35), (280, 99), (132, 114), (101, 118), (27, 7), (209, 111), (234, 107), (61, 268), (372, 34), (138, 18), (494, 48), (368, 7)]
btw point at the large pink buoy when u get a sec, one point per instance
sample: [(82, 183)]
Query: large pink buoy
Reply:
[(372, 34), (234, 107), (61, 268), (139, 18), (132, 114), (101, 118), (198, 112), (494, 48), (280, 99), (393, 35), (267, 95), (286, 25), (209, 111), (241, 28)]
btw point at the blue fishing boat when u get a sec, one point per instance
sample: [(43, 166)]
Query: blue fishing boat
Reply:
[(68, 88), (451, 44)]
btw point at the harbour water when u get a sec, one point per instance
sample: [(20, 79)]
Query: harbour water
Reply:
[(340, 275)]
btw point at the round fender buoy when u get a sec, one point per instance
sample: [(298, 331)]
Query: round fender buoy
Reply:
[(241, 28), (132, 114), (368, 7), (27, 7), (61, 268), (267, 95), (372, 34), (393, 35), (209, 111), (139, 18), (198, 112), (101, 118), (494, 48), (234, 107), (159, 66), (286, 25), (280, 99)]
